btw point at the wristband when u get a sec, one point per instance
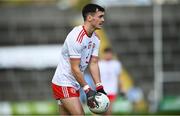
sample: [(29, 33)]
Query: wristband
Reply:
[(86, 87), (98, 84)]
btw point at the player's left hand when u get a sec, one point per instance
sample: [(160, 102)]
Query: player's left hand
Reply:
[(99, 88)]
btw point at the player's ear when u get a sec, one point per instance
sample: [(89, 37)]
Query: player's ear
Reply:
[(89, 18)]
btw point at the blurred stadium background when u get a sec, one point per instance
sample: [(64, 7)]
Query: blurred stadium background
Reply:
[(145, 35)]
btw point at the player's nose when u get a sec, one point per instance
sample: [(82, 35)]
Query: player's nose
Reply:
[(102, 19)]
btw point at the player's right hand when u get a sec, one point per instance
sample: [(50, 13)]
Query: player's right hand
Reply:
[(90, 94), (91, 101)]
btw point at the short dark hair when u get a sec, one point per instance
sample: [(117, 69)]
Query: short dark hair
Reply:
[(108, 49), (91, 8)]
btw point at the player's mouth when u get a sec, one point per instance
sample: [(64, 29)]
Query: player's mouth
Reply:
[(100, 24)]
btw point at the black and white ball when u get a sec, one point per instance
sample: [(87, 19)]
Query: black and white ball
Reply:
[(103, 102)]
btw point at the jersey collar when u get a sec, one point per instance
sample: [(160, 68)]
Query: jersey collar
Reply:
[(85, 31)]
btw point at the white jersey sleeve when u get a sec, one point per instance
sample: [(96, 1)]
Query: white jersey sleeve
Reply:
[(74, 48)]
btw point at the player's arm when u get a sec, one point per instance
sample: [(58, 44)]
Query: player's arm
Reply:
[(94, 69), (76, 71), (95, 74)]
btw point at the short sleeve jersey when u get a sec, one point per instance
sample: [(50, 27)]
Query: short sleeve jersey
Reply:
[(110, 71), (76, 46)]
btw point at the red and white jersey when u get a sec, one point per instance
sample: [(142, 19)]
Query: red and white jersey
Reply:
[(110, 71), (77, 46)]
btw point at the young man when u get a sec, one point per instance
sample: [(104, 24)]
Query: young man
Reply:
[(80, 50), (110, 70)]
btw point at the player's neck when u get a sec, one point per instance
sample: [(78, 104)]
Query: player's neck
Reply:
[(89, 29)]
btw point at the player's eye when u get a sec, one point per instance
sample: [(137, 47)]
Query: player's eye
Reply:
[(101, 16)]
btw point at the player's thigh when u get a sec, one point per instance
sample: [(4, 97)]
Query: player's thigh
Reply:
[(73, 105)]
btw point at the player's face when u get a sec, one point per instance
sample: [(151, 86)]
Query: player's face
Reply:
[(98, 19), (108, 55)]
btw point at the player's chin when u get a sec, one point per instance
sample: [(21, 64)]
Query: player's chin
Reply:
[(99, 27)]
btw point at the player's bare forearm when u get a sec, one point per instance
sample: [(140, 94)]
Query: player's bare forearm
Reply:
[(94, 70), (76, 72)]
